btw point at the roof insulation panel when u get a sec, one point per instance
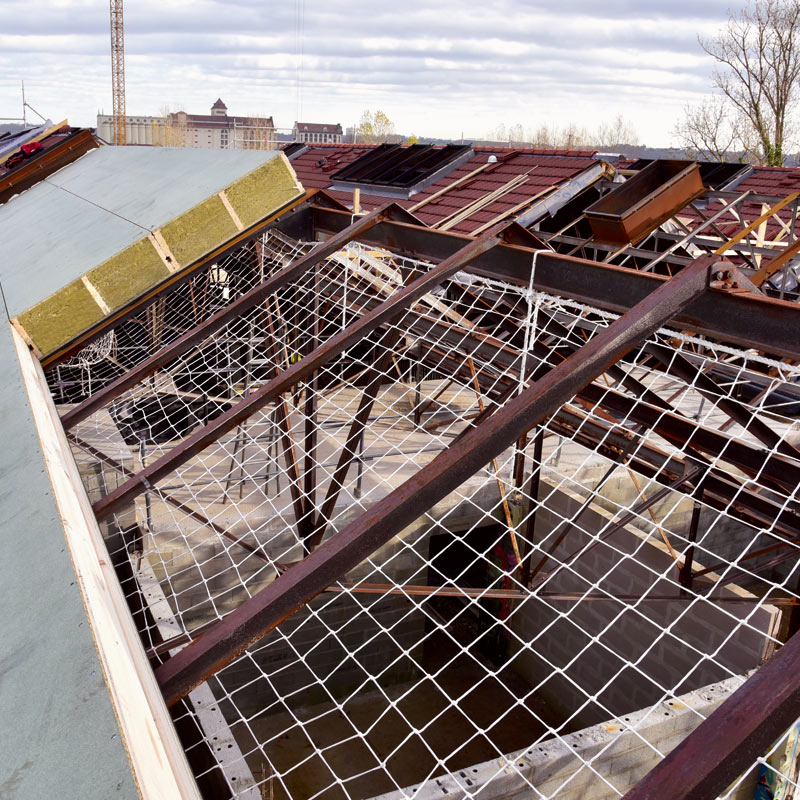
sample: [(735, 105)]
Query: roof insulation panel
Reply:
[(118, 221)]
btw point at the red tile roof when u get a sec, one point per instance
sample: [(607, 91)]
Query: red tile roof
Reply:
[(542, 169), (773, 181), (537, 151)]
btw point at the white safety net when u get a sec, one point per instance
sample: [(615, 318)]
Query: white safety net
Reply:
[(559, 622)]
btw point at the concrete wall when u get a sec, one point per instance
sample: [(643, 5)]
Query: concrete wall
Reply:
[(595, 658), (336, 642), (719, 538), (598, 763)]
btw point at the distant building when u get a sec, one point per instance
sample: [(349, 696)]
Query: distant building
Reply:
[(216, 130), (317, 133), (139, 130)]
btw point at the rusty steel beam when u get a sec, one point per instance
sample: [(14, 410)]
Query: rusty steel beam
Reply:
[(649, 410), (286, 439), (745, 319), (348, 452), (679, 430), (737, 500), (601, 596), (169, 499), (428, 591), (232, 311), (676, 364), (724, 492), (305, 527), (522, 594), (382, 314), (729, 741), (333, 559), (301, 511)]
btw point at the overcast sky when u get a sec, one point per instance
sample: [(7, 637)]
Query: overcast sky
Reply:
[(436, 69)]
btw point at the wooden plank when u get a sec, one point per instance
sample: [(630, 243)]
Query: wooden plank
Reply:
[(157, 759), (513, 210), (753, 225), (453, 185)]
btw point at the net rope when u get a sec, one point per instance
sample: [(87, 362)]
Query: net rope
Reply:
[(532, 633)]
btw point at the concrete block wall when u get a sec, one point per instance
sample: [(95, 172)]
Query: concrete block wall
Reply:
[(304, 658), (598, 763), (327, 651), (719, 537), (595, 658)]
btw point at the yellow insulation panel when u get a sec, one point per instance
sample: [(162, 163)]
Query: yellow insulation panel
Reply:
[(270, 186), (61, 317), (139, 268), (129, 273), (199, 230)]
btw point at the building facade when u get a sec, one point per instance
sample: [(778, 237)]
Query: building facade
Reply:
[(317, 133), (139, 130), (215, 130)]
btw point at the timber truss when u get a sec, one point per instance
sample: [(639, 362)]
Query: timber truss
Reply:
[(355, 458)]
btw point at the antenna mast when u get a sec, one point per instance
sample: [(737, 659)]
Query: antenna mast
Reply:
[(118, 71)]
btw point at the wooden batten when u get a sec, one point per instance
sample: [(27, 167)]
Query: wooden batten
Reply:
[(157, 760)]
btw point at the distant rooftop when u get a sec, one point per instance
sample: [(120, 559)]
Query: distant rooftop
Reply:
[(318, 127)]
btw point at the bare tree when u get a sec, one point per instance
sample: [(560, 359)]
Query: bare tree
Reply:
[(498, 134), (758, 66), (172, 131), (516, 134), (570, 136), (613, 134), (513, 135), (713, 131), (544, 136), (375, 128)]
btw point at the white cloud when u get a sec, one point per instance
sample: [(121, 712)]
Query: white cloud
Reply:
[(436, 70)]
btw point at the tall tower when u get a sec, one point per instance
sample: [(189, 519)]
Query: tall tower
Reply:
[(118, 71)]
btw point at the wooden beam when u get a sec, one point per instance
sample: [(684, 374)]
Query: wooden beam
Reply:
[(157, 758)]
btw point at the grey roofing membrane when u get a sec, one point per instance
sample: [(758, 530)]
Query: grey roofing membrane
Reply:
[(91, 209), (59, 736)]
